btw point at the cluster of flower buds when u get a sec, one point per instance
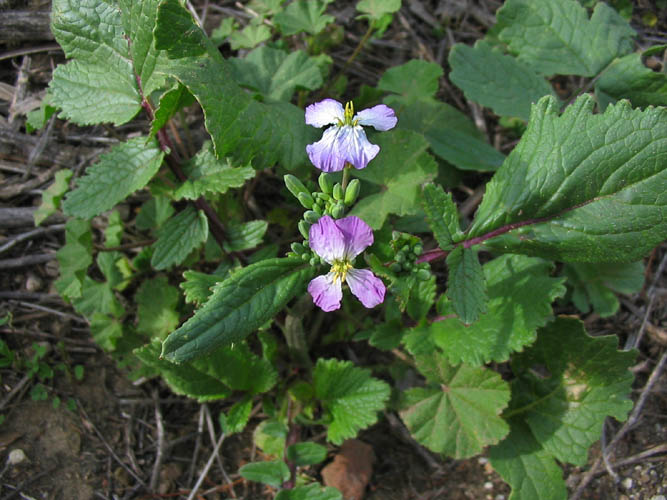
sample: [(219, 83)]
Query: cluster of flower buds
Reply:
[(407, 249)]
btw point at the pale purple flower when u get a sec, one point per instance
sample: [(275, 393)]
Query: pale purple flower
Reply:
[(338, 242), (345, 141)]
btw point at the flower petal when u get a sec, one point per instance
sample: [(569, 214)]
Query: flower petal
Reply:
[(354, 147), (379, 117), (326, 112), (325, 154), (327, 240), (366, 287), (357, 235), (326, 293)]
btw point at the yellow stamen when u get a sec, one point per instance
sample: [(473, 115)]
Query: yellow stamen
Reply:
[(349, 113), (340, 269)]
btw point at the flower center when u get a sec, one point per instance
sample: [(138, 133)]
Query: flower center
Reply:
[(349, 114), (340, 269)]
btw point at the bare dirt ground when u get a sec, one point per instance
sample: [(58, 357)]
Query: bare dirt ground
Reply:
[(113, 439)]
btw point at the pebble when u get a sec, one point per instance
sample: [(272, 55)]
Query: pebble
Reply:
[(482, 460), (627, 483), (658, 497), (488, 485), (16, 456)]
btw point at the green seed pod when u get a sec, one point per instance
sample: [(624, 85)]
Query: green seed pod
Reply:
[(294, 185), (305, 256), (423, 274), (326, 185), (305, 199), (352, 192), (338, 191), (396, 267), (400, 257), (311, 216), (314, 261), (417, 250), (323, 196), (304, 229), (338, 211), (408, 266), (298, 248)]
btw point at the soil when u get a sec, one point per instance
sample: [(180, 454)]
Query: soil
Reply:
[(105, 437)]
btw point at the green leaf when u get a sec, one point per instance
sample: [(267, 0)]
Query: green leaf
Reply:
[(275, 73), (466, 287), (441, 214), (74, 258), (120, 172), (451, 134), (459, 413), (157, 311), (179, 236), (399, 170), (241, 370), (415, 79), (198, 287), (303, 15), (37, 118), (192, 379), (495, 80), (520, 291), (239, 305), (52, 195), (310, 492), (97, 297), (249, 37), (227, 26), (153, 213), (269, 436), (271, 473), (532, 472), (106, 330), (267, 133), (562, 198), (375, 9), (207, 174), (306, 453), (594, 284), (628, 78), (170, 102), (556, 36), (350, 395), (387, 335), (589, 379), (237, 417), (415, 296), (244, 236)]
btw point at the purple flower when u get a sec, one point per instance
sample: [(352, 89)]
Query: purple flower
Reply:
[(338, 242), (345, 141)]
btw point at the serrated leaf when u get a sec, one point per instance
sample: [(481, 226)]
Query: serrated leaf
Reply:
[(113, 233), (414, 79), (179, 236), (237, 417), (629, 78), (275, 73), (271, 473), (267, 133), (74, 258), (562, 198), (37, 118), (310, 492), (387, 335), (350, 395), (466, 286), (589, 379), (415, 296), (441, 214), (532, 472), (269, 436), (245, 235), (239, 305), (306, 453), (156, 307), (170, 102), (198, 287), (375, 9), (459, 414), (97, 297), (154, 212), (520, 292), (303, 15), (106, 330), (52, 195), (399, 170), (250, 36), (556, 36), (120, 172), (451, 135), (241, 370), (495, 80), (191, 379)]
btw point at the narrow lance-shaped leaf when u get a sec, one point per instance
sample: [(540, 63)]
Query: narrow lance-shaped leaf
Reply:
[(559, 197), (441, 213), (466, 286), (239, 305)]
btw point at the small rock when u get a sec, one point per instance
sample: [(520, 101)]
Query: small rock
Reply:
[(500, 497), (488, 485), (16, 456), (482, 460), (33, 282), (627, 483), (351, 469), (658, 497)]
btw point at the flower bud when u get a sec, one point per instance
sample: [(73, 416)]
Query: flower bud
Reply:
[(395, 267), (298, 248), (338, 192), (304, 229), (338, 211), (417, 250), (324, 180), (423, 274), (305, 199), (352, 192), (311, 216), (294, 185)]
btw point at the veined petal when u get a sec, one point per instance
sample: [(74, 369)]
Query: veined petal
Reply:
[(354, 147), (326, 293), (327, 240), (357, 235), (365, 286), (379, 117), (325, 154), (326, 112)]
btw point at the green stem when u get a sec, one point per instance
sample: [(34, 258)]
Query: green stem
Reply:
[(346, 177)]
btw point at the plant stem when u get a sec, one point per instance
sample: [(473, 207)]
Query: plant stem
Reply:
[(346, 176)]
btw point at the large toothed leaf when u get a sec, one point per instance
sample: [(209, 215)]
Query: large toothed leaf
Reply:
[(120, 172), (416, 78), (240, 126), (557, 37), (601, 199), (498, 81), (459, 413), (179, 236), (157, 311), (303, 15), (399, 170), (242, 303), (465, 284), (520, 291), (350, 395), (242, 370)]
